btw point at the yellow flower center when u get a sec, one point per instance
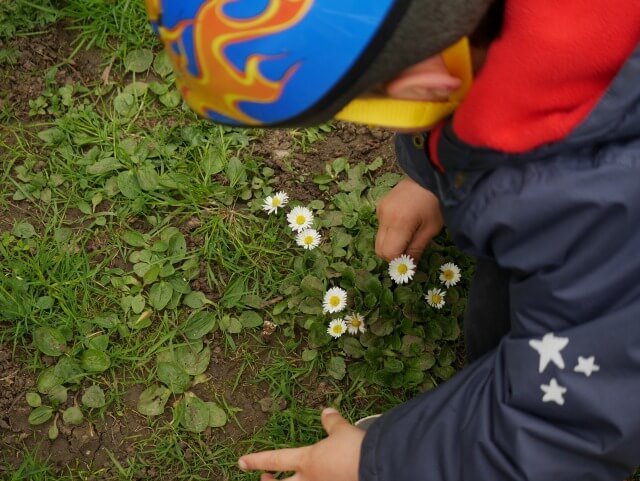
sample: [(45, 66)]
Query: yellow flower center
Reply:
[(355, 322), (436, 299), (275, 202), (300, 220), (402, 269), (334, 301), (308, 240), (337, 329), (448, 275)]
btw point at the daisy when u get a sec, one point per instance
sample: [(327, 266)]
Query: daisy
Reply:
[(435, 297), (300, 218), (335, 300), (449, 274), (273, 202), (355, 323), (402, 269), (308, 238), (337, 328)]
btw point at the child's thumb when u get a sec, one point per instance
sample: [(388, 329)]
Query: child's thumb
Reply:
[(332, 420)]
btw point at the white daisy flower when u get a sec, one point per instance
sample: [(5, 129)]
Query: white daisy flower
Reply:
[(275, 201), (355, 323), (435, 297), (337, 328), (300, 218), (402, 269), (449, 274), (335, 300), (308, 238)]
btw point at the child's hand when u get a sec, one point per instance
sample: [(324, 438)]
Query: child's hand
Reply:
[(335, 458), (409, 217)]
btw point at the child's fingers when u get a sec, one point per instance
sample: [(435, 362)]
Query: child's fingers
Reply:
[(278, 460)]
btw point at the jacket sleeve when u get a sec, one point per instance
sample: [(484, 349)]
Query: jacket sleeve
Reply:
[(558, 398), (413, 159)]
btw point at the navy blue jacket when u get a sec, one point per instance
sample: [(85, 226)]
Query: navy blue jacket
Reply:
[(559, 398)]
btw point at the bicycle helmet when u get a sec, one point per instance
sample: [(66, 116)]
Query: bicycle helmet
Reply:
[(292, 63)]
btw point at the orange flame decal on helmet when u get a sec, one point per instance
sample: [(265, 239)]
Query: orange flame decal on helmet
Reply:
[(153, 9), (221, 86)]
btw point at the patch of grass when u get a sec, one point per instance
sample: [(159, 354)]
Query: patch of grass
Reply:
[(115, 27), (22, 17), (137, 236)]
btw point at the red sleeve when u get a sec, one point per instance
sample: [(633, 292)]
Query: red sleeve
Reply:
[(548, 69)]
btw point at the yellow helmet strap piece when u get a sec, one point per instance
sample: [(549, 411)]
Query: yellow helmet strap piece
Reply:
[(412, 115)]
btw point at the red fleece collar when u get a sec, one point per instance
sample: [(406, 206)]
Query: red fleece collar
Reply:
[(548, 69)]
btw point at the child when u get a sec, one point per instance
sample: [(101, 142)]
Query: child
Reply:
[(536, 173)]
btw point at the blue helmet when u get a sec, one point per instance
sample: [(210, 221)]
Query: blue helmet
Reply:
[(287, 63)]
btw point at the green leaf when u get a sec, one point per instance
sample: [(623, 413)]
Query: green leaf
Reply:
[(234, 293), (134, 239), (336, 367), (234, 326), (382, 326), (173, 376), (367, 283), (446, 356), (217, 416), (51, 136), (213, 162), (411, 345), (45, 302), (195, 300), (443, 372), (72, 415), (352, 347), (312, 286), (375, 164), (196, 415), (162, 65), (311, 306), (33, 399), (137, 304), (103, 166), (23, 230), (53, 431), (191, 361), (318, 335), (252, 300), (152, 400), (309, 354), (160, 295), (138, 60), (148, 178), (158, 88), (93, 360), (137, 89), (125, 104), (93, 397), (47, 380), (128, 184), (58, 393), (250, 319), (236, 171), (171, 99), (177, 245), (393, 365), (108, 320), (40, 415), (50, 341), (199, 325)]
